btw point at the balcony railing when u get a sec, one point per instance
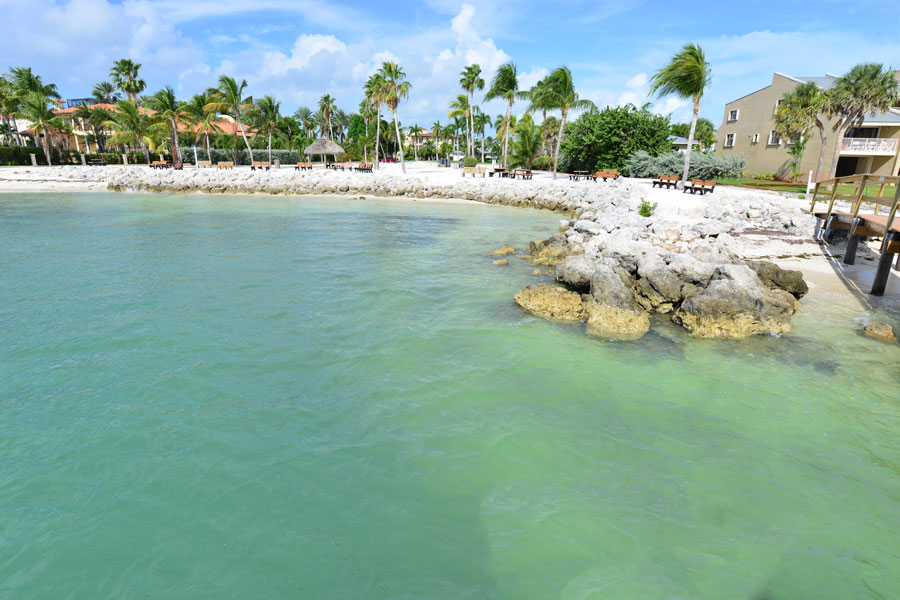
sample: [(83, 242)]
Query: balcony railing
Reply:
[(873, 146)]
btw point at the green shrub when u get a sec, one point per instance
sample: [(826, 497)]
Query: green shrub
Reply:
[(542, 163), (704, 165), (764, 176), (470, 161), (645, 209)]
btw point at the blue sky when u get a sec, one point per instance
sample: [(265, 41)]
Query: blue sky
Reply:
[(297, 50)]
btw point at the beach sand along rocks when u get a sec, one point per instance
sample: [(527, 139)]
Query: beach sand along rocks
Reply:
[(696, 259)]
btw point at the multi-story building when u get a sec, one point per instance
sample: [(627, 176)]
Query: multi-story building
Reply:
[(748, 128)]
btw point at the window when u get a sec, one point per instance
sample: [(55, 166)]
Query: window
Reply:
[(778, 103), (729, 140), (733, 115), (774, 138), (754, 139)]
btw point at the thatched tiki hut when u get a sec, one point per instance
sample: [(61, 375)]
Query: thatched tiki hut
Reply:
[(323, 147)]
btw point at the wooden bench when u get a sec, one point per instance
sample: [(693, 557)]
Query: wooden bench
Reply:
[(342, 166), (303, 166), (159, 164), (225, 164), (474, 171), (669, 181), (523, 173), (606, 174), (700, 185), (364, 168), (259, 165), (204, 164)]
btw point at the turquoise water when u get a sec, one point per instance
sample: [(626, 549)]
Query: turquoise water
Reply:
[(263, 397)]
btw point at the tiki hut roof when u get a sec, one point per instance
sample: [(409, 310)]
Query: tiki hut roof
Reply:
[(323, 146)]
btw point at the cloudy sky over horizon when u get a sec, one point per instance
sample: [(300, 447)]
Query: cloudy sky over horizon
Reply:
[(297, 50)]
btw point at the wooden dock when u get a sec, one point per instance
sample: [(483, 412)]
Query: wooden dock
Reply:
[(858, 221)]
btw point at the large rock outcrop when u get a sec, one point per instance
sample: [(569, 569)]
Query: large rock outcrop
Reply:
[(736, 304), (612, 312), (775, 277), (552, 301)]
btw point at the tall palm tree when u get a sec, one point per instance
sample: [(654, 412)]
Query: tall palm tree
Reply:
[(558, 93), (25, 82), (9, 106), (36, 108), (229, 98), (460, 111), (326, 109), (864, 89), (528, 141), (132, 126), (687, 76), (202, 120), (367, 112), (94, 117), (799, 111), (436, 129), (374, 89), (396, 88), (505, 85), (105, 92), (125, 74), (414, 131), (470, 80), (168, 113), (305, 115), (482, 122), (266, 117)]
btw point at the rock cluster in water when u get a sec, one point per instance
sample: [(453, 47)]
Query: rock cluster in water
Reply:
[(614, 267)]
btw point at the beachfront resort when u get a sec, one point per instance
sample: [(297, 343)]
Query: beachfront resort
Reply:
[(360, 321)]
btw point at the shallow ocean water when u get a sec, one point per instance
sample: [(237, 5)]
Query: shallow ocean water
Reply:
[(269, 397)]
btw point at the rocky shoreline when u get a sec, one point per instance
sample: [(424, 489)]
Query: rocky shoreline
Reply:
[(614, 267)]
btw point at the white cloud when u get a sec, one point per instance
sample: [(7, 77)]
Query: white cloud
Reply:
[(306, 48)]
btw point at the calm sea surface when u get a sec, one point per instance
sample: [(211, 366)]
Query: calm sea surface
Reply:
[(268, 397)]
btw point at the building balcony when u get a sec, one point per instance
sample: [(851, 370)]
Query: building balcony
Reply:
[(869, 147)]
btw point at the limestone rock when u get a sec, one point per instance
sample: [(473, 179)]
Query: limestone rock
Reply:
[(553, 301), (504, 250), (736, 304), (550, 255), (880, 331), (775, 277), (575, 271), (500, 263), (611, 308)]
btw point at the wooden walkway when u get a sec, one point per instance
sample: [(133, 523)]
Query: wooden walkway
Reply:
[(858, 222)]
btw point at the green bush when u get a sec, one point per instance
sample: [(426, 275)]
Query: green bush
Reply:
[(606, 139), (542, 163), (470, 161), (704, 165), (764, 176), (645, 209)]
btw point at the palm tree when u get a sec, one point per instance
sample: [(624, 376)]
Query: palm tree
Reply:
[(528, 141), (687, 76), (326, 109), (864, 89), (125, 75), (558, 93), (306, 118), (436, 129), (374, 89), (94, 117), (25, 82), (367, 112), (396, 88), (470, 80), (228, 98), (799, 111), (414, 131), (105, 92), (36, 108), (482, 121), (9, 105), (266, 117), (460, 112), (132, 126), (168, 112), (203, 121), (505, 85)]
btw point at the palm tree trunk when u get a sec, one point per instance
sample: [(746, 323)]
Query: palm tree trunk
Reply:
[(244, 134), (506, 133), (823, 138), (842, 130), (208, 153), (397, 130), (416, 146), (366, 144), (690, 144), (270, 148), (146, 152), (47, 146), (482, 143), (562, 124), (377, 135)]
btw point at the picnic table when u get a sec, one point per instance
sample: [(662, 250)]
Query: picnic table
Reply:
[(523, 173), (577, 175), (500, 171)]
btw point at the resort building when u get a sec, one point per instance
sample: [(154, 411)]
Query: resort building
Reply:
[(748, 128)]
